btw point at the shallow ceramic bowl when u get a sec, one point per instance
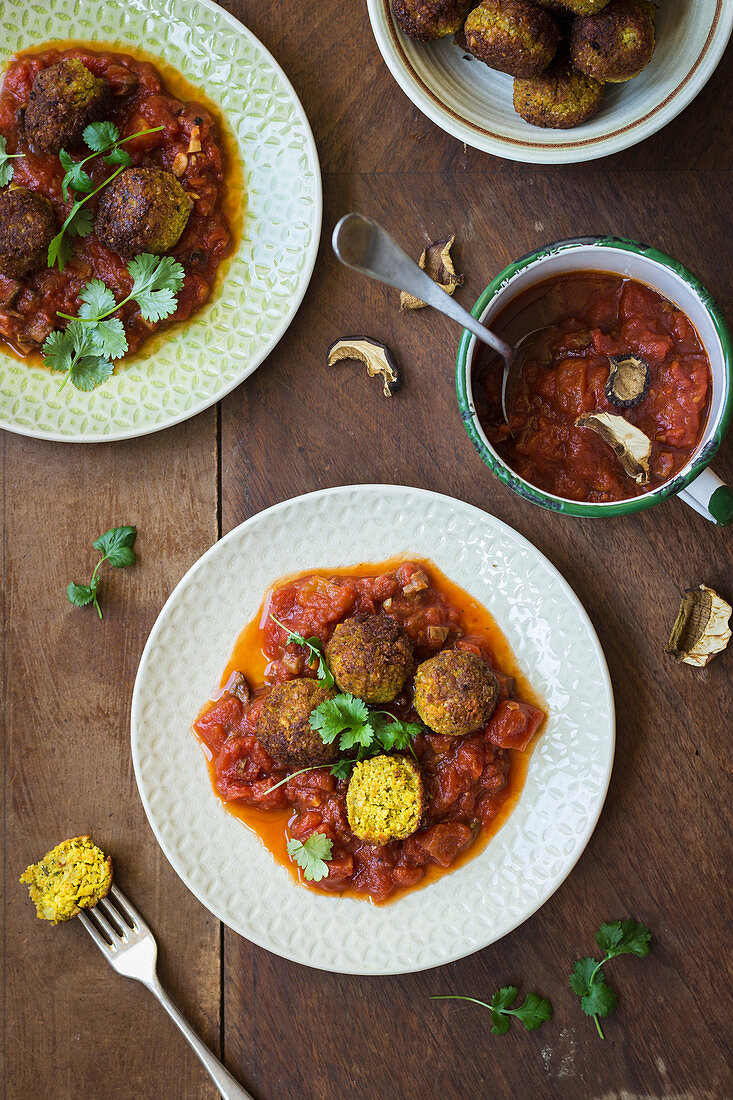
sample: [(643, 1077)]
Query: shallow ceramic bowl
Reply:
[(695, 483), (474, 103), (186, 369), (227, 866)]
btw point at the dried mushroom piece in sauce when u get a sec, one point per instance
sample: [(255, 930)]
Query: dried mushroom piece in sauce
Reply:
[(628, 382), (701, 629), (437, 263), (376, 357), (632, 448)]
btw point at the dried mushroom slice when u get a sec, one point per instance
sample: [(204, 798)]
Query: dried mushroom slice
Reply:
[(628, 382), (437, 263), (376, 357), (632, 448), (701, 629)]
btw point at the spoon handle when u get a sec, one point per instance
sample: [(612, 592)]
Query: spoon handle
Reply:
[(364, 246)]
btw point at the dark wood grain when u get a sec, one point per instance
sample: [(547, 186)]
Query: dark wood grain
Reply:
[(661, 851)]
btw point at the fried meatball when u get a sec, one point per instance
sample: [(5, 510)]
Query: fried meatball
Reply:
[(617, 44), (72, 876), (371, 657), (143, 210), (577, 7), (455, 693), (429, 20), (385, 799), (27, 225), (559, 98), (513, 36), (283, 724), (64, 99)]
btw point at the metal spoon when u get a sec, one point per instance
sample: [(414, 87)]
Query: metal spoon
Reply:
[(363, 245)]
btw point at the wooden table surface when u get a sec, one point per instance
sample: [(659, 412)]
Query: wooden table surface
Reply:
[(661, 850)]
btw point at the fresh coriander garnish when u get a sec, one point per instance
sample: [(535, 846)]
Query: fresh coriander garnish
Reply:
[(587, 980), (533, 1013), (115, 546), (85, 350), (314, 651), (6, 168), (348, 720), (103, 138), (312, 856)]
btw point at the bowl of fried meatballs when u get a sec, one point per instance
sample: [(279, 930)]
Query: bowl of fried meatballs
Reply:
[(550, 80)]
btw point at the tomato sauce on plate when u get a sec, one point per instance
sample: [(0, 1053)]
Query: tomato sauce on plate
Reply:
[(473, 782), (141, 99), (583, 318)]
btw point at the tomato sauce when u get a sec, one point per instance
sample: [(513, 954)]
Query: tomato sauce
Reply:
[(141, 99), (582, 319), (473, 782)]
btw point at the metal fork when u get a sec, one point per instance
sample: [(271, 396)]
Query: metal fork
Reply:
[(129, 946)]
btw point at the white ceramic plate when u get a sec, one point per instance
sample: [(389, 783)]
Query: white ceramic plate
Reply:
[(228, 868), (183, 371), (474, 103)]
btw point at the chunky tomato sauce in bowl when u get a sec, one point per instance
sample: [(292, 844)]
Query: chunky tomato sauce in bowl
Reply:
[(581, 304), (191, 145), (471, 782)]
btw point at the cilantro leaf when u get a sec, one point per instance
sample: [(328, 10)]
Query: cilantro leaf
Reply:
[(109, 337), (58, 350), (90, 371), (534, 1012), (75, 176), (314, 650), (342, 768), (96, 298), (624, 938), (156, 281), (81, 594), (393, 733), (581, 976), (600, 1001), (81, 222), (6, 168), (98, 136), (344, 717), (118, 156), (312, 856), (116, 545)]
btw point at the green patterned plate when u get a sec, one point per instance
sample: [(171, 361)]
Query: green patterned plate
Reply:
[(187, 369)]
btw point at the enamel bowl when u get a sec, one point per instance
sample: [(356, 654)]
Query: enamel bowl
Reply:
[(697, 485)]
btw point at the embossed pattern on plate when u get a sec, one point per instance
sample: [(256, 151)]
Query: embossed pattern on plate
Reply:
[(228, 868), (187, 369)]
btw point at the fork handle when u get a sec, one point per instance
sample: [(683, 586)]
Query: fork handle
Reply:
[(229, 1088)]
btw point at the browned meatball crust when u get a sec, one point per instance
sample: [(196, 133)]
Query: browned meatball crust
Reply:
[(143, 210), (371, 657), (615, 45), (512, 36), (283, 724), (455, 693), (64, 99), (27, 226), (561, 97), (429, 20)]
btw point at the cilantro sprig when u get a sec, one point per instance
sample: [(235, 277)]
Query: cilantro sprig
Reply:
[(313, 648), (534, 1012), (312, 855), (115, 547), (587, 980), (348, 721), (103, 138), (6, 168), (85, 350)]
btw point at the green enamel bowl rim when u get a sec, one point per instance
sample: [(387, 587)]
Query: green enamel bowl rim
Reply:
[(572, 507)]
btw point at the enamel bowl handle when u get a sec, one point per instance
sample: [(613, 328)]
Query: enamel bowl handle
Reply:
[(710, 497)]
